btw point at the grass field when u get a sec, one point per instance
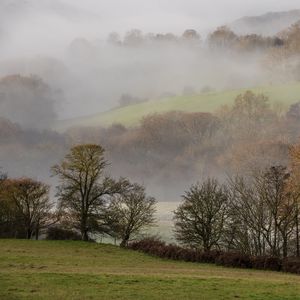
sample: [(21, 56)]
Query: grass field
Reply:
[(131, 115), (77, 270)]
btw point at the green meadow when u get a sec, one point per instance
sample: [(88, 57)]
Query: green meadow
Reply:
[(285, 94), (78, 270)]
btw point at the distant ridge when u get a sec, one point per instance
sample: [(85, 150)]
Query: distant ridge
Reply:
[(268, 24)]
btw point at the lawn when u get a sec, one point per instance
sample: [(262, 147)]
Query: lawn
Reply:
[(209, 102), (78, 270)]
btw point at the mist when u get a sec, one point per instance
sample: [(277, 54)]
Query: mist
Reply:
[(62, 47), (37, 38)]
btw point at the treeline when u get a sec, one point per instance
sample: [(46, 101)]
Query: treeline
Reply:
[(256, 215), (278, 55), (89, 202), (223, 38), (167, 151), (247, 221), (172, 149)]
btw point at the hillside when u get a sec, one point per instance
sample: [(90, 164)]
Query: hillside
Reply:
[(268, 24), (131, 115), (77, 270)]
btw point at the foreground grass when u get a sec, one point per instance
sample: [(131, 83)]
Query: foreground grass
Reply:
[(131, 115), (77, 270)]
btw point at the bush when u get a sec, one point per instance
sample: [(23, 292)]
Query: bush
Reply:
[(149, 245), (207, 257), (258, 262), (267, 263), (273, 263), (291, 265), (156, 247), (234, 259), (58, 233)]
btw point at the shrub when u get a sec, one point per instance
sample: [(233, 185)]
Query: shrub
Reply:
[(291, 265), (149, 245), (273, 263), (156, 247), (58, 233), (208, 257), (258, 262), (234, 259)]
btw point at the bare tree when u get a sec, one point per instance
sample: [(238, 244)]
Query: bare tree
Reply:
[(249, 213), (131, 213), (294, 189), (267, 209), (200, 219), (84, 188)]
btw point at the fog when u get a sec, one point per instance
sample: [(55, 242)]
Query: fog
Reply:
[(64, 44), (36, 36)]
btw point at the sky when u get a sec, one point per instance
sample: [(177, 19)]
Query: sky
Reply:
[(55, 22)]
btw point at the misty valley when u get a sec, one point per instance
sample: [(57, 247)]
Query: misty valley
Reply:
[(147, 158)]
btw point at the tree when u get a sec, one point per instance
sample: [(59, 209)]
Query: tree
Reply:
[(266, 209), (273, 189), (8, 226), (114, 39), (200, 219), (294, 188), (34, 99), (130, 213), (250, 115), (191, 35), (222, 38), (28, 204), (134, 38), (84, 188)]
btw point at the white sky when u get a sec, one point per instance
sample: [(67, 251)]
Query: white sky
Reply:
[(48, 23)]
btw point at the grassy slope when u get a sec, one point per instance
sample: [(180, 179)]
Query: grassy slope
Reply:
[(77, 270), (130, 115)]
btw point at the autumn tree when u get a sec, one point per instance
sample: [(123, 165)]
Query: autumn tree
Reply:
[(8, 226), (250, 115), (28, 205), (191, 36), (222, 38), (84, 188), (200, 219), (130, 213)]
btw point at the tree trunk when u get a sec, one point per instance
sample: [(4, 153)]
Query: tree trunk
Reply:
[(297, 234), (37, 231), (123, 244), (84, 230), (284, 247), (29, 234), (206, 246), (37, 234), (84, 235), (124, 241)]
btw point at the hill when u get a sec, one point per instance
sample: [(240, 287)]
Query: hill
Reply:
[(209, 102), (77, 270), (268, 24)]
